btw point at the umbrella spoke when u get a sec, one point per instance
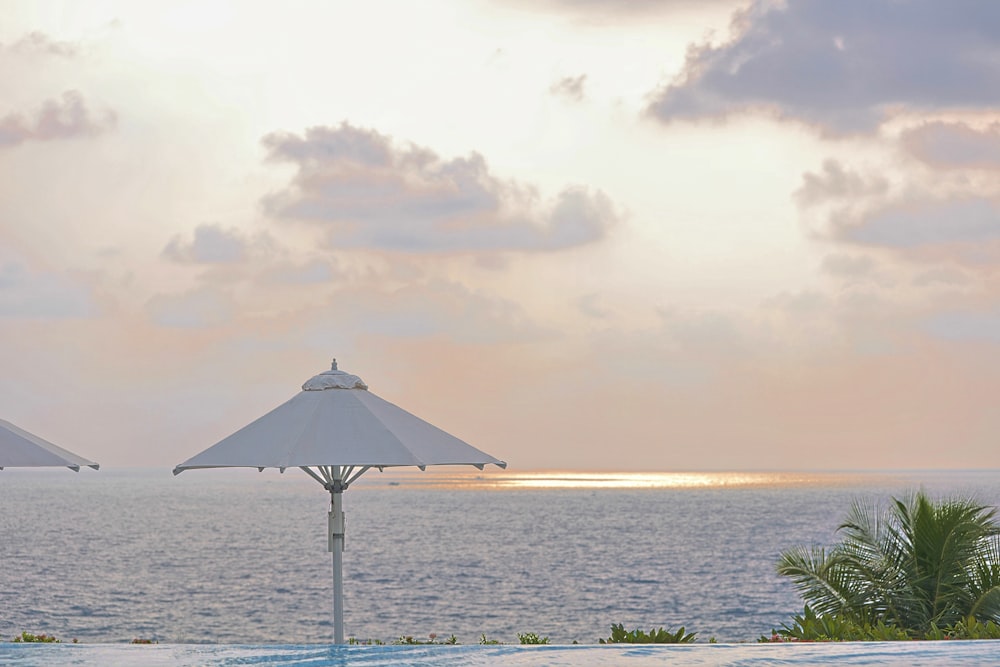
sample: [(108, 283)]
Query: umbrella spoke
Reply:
[(311, 473), (350, 476)]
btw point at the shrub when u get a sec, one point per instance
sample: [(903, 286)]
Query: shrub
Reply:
[(29, 638), (432, 639), (621, 636), (810, 627), (970, 628)]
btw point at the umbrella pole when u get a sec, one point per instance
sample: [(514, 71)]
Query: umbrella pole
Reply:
[(336, 546)]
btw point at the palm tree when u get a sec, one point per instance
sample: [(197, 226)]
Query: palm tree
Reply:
[(919, 564)]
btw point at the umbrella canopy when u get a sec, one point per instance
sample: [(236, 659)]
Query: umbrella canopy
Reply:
[(335, 430), (20, 449), (336, 421)]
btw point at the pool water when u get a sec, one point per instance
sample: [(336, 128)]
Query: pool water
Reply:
[(952, 653)]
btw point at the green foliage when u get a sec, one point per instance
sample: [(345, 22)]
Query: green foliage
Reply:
[(621, 636), (29, 638), (969, 628), (811, 627), (531, 638), (914, 566), (432, 639), (354, 641), (490, 642)]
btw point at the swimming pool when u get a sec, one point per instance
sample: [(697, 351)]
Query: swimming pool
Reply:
[(953, 653)]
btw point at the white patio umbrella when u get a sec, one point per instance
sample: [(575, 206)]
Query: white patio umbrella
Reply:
[(20, 449), (335, 430)]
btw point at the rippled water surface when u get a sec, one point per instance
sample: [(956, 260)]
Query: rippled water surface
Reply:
[(237, 557), (884, 654)]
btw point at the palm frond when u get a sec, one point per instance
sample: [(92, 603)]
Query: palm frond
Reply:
[(914, 564), (818, 576), (984, 582)]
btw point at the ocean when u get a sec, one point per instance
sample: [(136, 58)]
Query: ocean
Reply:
[(239, 557)]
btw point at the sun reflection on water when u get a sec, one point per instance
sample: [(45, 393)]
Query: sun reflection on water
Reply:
[(635, 480), (599, 480)]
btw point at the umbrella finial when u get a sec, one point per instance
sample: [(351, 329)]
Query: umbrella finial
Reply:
[(333, 366)]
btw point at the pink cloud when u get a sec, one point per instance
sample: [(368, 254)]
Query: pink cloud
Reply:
[(66, 118), (370, 192)]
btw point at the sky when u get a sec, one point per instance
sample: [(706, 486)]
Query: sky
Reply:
[(653, 235)]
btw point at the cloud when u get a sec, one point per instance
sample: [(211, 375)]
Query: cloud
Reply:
[(844, 66), (837, 199), (211, 245), (965, 326), (848, 266), (370, 192), (954, 145), (25, 293), (944, 276), (618, 10), (836, 182), (40, 43), (67, 118), (930, 218), (969, 221), (714, 331), (570, 87), (315, 272)]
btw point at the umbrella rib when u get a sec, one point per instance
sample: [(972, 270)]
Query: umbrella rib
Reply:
[(311, 473), (349, 478), (350, 474)]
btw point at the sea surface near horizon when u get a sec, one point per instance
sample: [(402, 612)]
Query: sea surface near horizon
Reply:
[(239, 557)]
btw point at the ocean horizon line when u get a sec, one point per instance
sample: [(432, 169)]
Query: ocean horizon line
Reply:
[(464, 477)]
